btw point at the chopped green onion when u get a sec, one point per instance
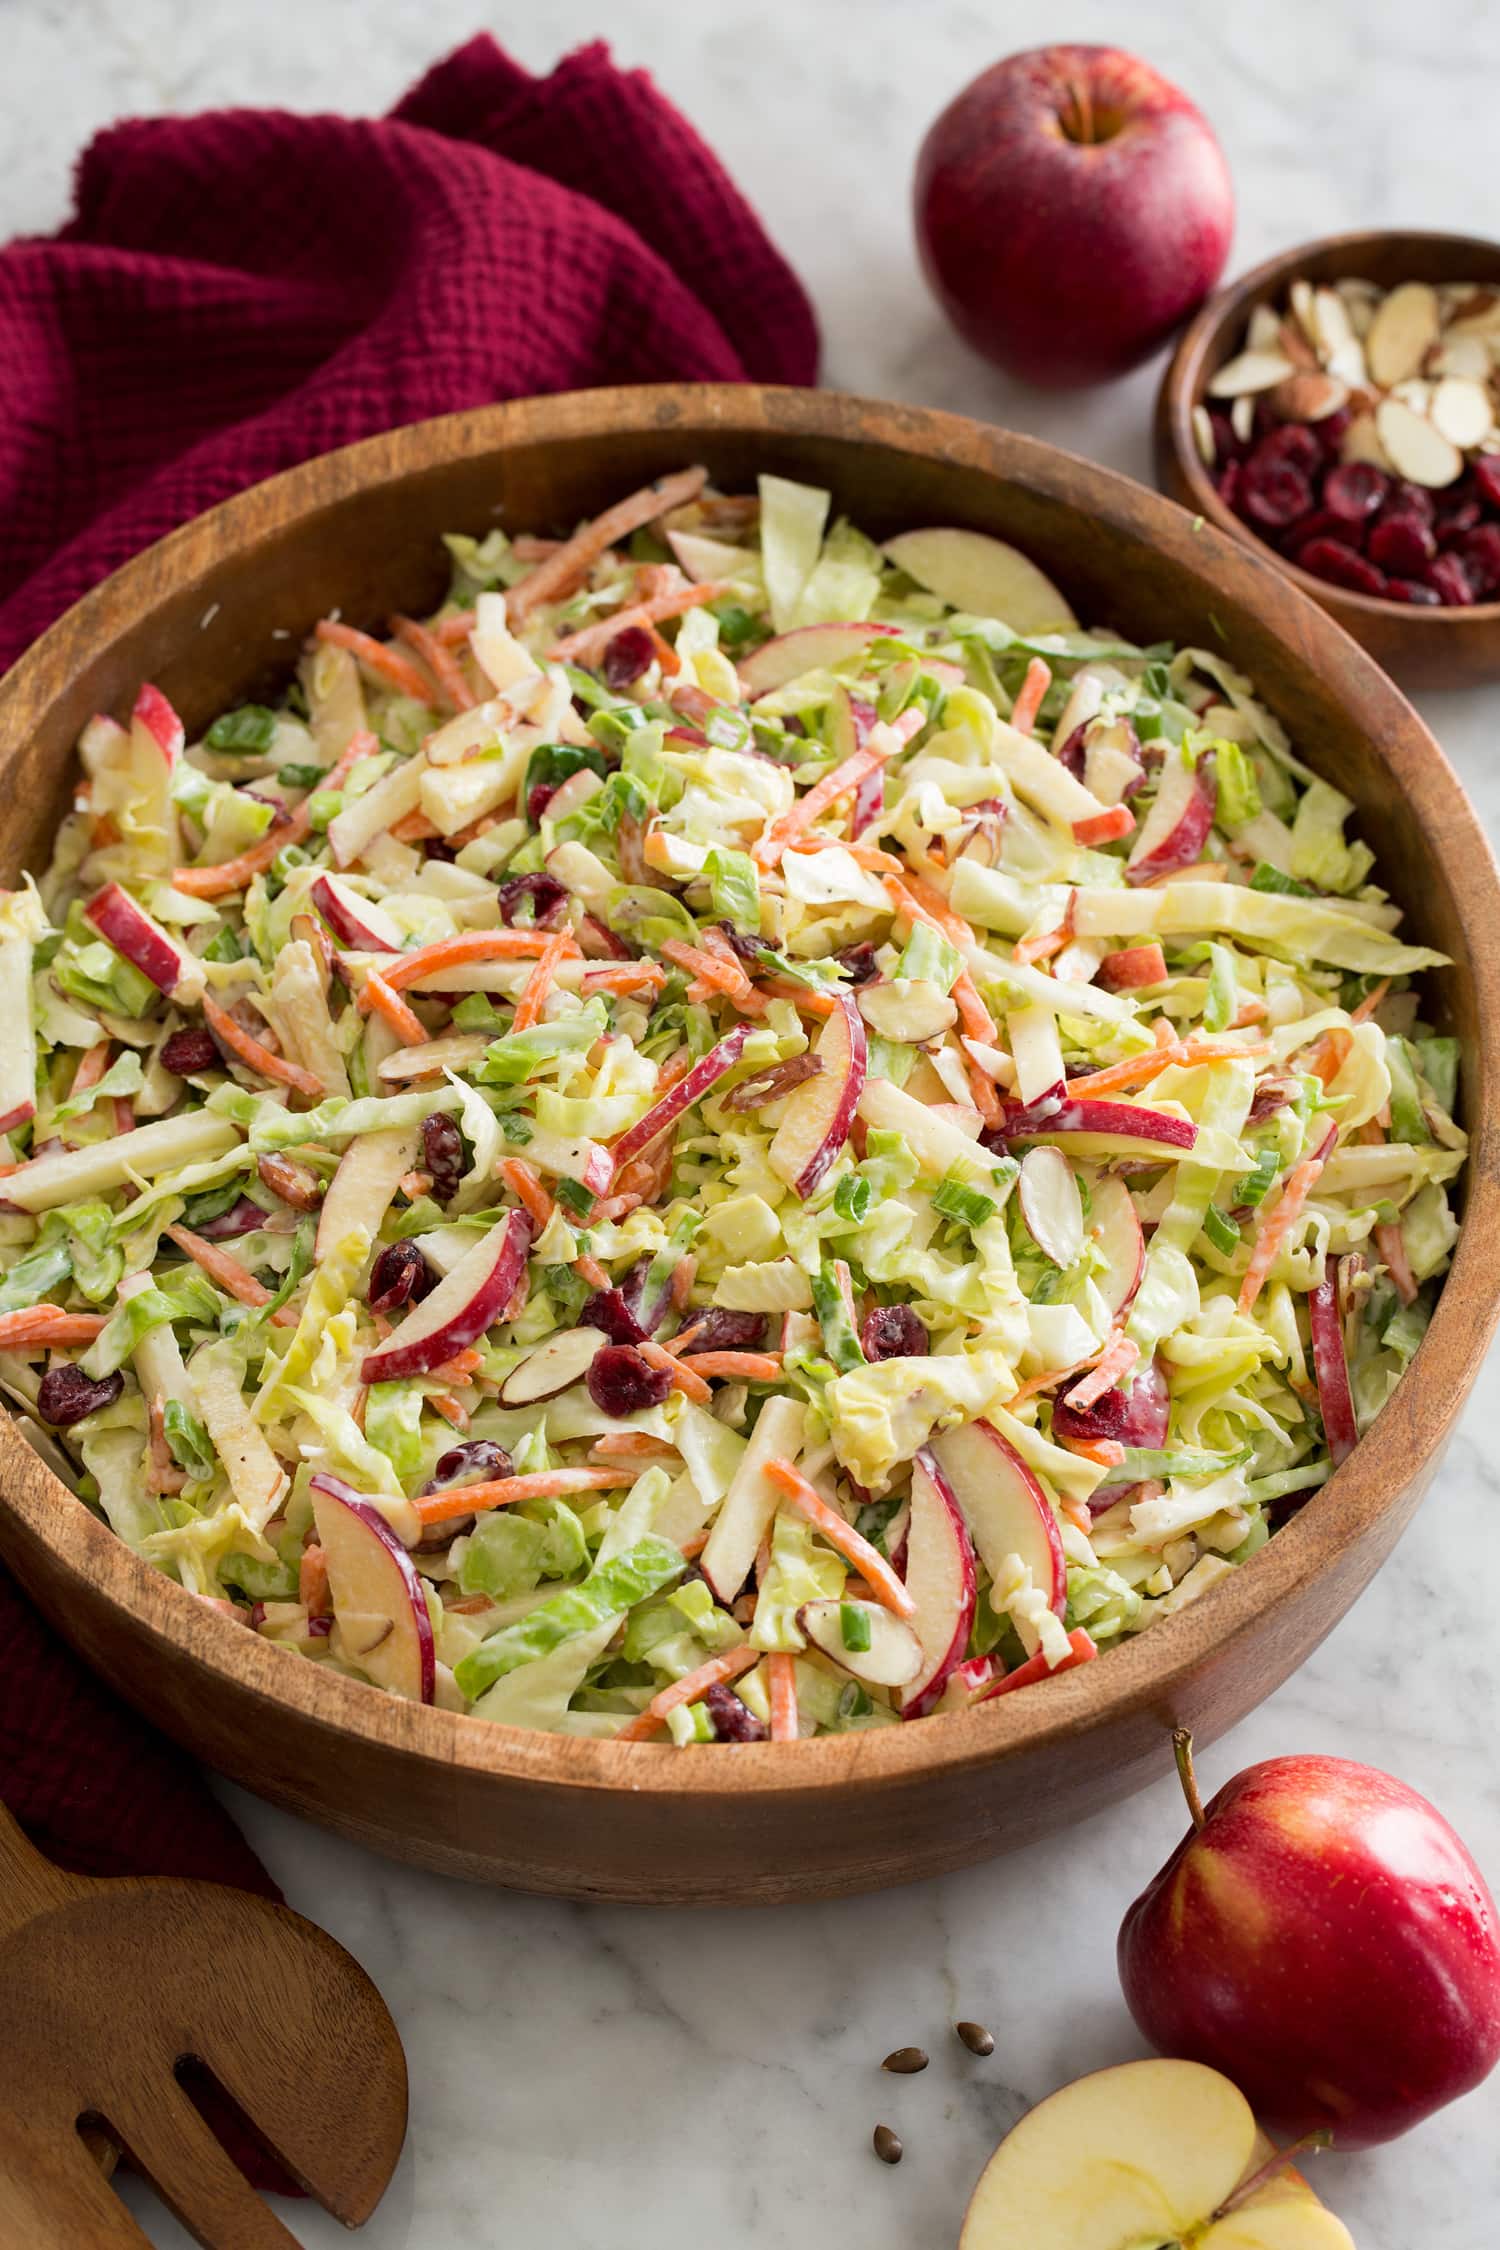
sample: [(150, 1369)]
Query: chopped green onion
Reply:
[(854, 1626), (251, 728)]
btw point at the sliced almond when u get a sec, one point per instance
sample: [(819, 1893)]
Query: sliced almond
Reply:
[(1477, 314), (1401, 331), (1264, 332), (1203, 436), (1308, 396), (1361, 442), (1359, 298), (1413, 393), (1247, 373), (1302, 309), (1461, 410), (1331, 326), (1347, 362), (1291, 341), (1459, 355), (1418, 451), (1242, 417)]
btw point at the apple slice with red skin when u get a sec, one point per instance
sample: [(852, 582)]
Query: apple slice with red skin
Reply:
[(355, 920), (1079, 1126), (893, 1657), (984, 576), (819, 1112), (156, 743), (1051, 1205), (809, 648), (1005, 1508), (699, 1081), (1176, 828), (364, 1186), (1080, 1650), (939, 1572), (1137, 1417), (1115, 1231), (1331, 1365), (1133, 967), (17, 1050), (154, 716), (465, 1303), (370, 1576), (554, 1366), (142, 941)]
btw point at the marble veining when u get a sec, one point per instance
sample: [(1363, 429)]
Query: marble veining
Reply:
[(599, 2079)]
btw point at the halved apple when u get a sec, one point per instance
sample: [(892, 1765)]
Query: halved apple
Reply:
[(1175, 830), (984, 576), (564, 1359), (464, 1304), (1331, 1365), (808, 648), (355, 920), (819, 1113), (140, 938), (1147, 2153), (699, 1080), (864, 1639), (1116, 1234), (1005, 1508), (382, 1622), (1047, 1190), (940, 1579)]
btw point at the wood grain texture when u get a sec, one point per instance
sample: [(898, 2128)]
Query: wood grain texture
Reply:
[(1420, 647), (106, 1987), (647, 1822)]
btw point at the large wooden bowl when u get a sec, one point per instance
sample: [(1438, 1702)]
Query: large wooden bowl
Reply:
[(1420, 647), (207, 614)]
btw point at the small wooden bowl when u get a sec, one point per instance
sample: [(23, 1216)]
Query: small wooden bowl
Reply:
[(1437, 648), (220, 607)]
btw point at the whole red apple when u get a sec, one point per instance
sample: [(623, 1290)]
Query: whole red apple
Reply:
[(1072, 208), (1323, 1938)]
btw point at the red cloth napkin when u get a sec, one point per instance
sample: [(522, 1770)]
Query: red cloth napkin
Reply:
[(237, 292)]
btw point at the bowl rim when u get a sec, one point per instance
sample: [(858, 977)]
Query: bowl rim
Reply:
[(1142, 1675), (1193, 361)]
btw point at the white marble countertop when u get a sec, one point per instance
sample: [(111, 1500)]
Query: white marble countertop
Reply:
[(592, 2079)]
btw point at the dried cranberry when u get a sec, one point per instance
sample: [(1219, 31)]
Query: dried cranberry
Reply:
[(1408, 499), (442, 1155), (1227, 446), (733, 1720), (476, 1461), (1274, 493), (399, 1276), (626, 656), (723, 1331), (1403, 544), (1074, 752), (1330, 432), (66, 1395), (621, 1382), (538, 797), (1134, 1417), (1355, 490), (858, 962), (892, 1332), (1227, 483), (1271, 1095), (1450, 582), (1481, 557), (1410, 590), (242, 1217), (1321, 524), (547, 895), (1293, 444), (1456, 521), (190, 1050), (770, 1084), (607, 1310), (746, 949), (1486, 472), (1339, 565)]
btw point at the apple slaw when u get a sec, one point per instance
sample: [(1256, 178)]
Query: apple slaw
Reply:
[(740, 1134)]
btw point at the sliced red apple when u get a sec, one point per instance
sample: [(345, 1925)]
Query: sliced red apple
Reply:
[(819, 1113), (1080, 1649), (18, 1048), (1116, 1233), (1112, 765), (355, 920), (1132, 967), (365, 817), (1176, 828), (74, 1174), (1099, 1128), (983, 576), (699, 1081), (159, 724), (371, 1578), (564, 1359), (864, 1639), (364, 1186), (466, 1303), (156, 741), (1005, 1508), (1331, 1365), (1036, 1050), (140, 938), (1051, 1204), (940, 1580), (809, 648), (746, 1511)]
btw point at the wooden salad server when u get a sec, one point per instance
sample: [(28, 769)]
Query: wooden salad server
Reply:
[(106, 1987)]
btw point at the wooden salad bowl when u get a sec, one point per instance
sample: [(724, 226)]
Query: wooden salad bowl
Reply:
[(218, 608), (1437, 648)]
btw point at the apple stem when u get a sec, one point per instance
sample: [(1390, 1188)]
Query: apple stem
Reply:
[(1276, 2162), (1182, 1748)]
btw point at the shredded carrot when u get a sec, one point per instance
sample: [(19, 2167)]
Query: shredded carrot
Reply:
[(454, 631), (312, 1582), (590, 641), (802, 996), (256, 1055), (414, 1184), (457, 952), (1248, 1012), (387, 665), (1103, 1452), (414, 828), (695, 1545), (1137, 1069), (867, 1560), (935, 909), (913, 898), (444, 1403), (1118, 1357), (589, 1269), (1372, 1000), (460, 1367), (47, 1325), (573, 558), (1325, 1057), (710, 968), (1300, 1182), (227, 1273), (528, 1190), (689, 1689), (407, 1025), (91, 1067), (741, 1367), (1029, 701), (635, 1445), (624, 976), (235, 874), (683, 1377), (985, 1094), (863, 855), (1029, 950), (844, 779), (534, 999), (439, 660), (1034, 1384), (501, 1492), (1391, 1244), (781, 1680), (1104, 827)]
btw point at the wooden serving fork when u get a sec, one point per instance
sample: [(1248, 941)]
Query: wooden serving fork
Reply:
[(107, 1987)]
